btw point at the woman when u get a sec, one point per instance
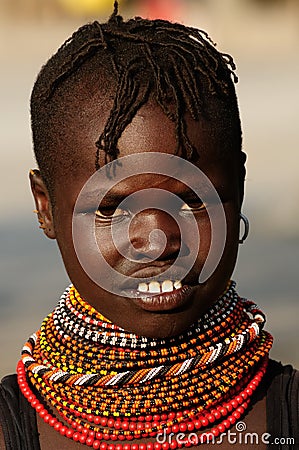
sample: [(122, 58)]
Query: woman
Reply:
[(141, 177)]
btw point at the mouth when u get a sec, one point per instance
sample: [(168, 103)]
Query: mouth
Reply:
[(158, 296)]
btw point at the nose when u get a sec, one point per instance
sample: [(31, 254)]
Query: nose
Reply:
[(156, 235)]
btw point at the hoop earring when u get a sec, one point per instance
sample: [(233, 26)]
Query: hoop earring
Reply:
[(246, 228)]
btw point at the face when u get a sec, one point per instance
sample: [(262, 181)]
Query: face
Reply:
[(136, 255)]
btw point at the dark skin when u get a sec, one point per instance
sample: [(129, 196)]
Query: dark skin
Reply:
[(255, 422), (150, 131)]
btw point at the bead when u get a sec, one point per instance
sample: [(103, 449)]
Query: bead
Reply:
[(63, 430), (211, 418), (57, 426), (39, 408), (183, 427), (197, 424), (42, 413), (69, 433), (82, 438), (232, 420), (190, 426), (52, 421), (89, 441), (217, 415), (76, 436), (204, 422), (175, 429), (221, 427), (141, 447)]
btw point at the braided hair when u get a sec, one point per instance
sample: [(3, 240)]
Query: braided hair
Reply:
[(178, 66)]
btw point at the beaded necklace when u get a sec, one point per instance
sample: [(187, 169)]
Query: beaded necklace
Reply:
[(105, 384)]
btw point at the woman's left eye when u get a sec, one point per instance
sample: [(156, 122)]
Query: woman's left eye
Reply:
[(193, 205)]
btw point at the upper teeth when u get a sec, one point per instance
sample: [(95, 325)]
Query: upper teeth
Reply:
[(155, 287)]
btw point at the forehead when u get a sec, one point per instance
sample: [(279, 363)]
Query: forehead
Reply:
[(80, 126), (81, 122)]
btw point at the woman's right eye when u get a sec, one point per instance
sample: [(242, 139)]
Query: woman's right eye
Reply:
[(107, 214)]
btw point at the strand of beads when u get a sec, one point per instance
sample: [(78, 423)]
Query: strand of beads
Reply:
[(229, 412), (61, 343), (216, 315), (149, 369), (201, 358), (103, 382), (194, 389)]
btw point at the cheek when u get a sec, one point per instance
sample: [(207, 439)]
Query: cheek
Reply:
[(232, 238), (201, 239), (63, 228), (218, 235), (107, 243)]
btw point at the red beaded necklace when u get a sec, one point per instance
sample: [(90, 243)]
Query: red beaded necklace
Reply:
[(109, 385)]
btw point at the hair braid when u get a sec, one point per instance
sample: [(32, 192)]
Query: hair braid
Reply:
[(177, 65)]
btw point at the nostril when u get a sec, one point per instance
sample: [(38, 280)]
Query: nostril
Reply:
[(153, 246), (157, 242)]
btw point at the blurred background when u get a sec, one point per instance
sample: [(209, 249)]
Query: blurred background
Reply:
[(263, 37)]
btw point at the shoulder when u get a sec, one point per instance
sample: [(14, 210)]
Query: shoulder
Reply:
[(17, 418), (9, 400), (283, 400), (282, 379), (9, 389)]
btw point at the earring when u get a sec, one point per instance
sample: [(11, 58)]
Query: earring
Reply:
[(40, 219), (42, 224), (246, 228)]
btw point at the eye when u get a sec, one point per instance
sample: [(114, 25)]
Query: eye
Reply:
[(108, 214), (193, 205)]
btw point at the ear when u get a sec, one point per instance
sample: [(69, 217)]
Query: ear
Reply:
[(42, 203)]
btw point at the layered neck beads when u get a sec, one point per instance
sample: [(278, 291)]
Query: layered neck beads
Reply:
[(97, 384)]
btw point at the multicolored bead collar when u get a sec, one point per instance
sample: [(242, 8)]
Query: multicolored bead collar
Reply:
[(105, 384)]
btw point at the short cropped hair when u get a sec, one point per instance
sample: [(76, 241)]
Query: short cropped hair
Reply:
[(177, 66)]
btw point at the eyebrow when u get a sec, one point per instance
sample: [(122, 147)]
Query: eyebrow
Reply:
[(117, 197), (100, 193)]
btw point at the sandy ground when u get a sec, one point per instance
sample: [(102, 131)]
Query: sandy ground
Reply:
[(265, 48)]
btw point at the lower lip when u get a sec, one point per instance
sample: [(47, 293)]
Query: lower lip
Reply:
[(165, 301)]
